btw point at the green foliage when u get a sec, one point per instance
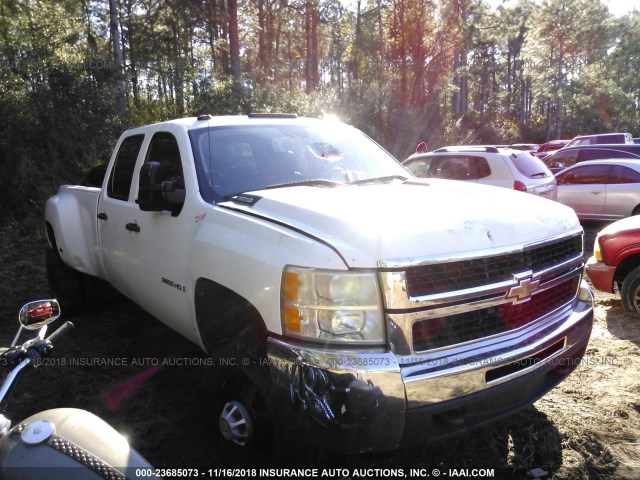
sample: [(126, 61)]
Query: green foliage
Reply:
[(473, 129), (404, 71), (55, 103)]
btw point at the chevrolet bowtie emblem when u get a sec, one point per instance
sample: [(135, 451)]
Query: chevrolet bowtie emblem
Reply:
[(526, 285)]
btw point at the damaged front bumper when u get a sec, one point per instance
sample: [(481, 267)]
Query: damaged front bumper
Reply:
[(355, 401)]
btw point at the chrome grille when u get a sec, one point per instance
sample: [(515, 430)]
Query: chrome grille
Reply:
[(434, 303), (463, 327), (444, 277)]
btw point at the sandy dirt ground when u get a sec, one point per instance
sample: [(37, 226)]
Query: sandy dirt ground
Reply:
[(145, 380)]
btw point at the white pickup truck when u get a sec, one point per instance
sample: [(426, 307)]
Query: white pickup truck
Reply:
[(346, 303)]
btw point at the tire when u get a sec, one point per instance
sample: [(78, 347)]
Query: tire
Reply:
[(630, 291), (98, 294), (65, 284), (238, 404)]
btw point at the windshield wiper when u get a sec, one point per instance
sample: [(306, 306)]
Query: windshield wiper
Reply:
[(305, 183), (539, 174), (388, 178)]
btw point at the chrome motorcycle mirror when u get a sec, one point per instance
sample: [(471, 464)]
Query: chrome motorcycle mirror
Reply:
[(35, 315)]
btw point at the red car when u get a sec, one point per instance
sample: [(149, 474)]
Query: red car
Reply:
[(40, 311), (550, 147), (616, 261)]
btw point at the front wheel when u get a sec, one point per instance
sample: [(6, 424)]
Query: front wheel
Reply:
[(237, 401), (242, 411), (630, 291)]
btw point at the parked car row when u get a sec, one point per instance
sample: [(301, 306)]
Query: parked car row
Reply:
[(541, 151), (600, 181)]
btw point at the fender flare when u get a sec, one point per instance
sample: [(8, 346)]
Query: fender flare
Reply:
[(223, 316)]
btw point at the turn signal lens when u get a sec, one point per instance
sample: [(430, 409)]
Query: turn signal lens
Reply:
[(597, 253)]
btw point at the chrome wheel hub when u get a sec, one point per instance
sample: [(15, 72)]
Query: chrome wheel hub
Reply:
[(235, 423)]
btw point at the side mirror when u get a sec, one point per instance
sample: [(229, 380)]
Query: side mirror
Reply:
[(156, 195), (35, 315), (150, 189)]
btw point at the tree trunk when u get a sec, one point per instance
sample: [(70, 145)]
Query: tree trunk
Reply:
[(177, 79), (234, 39), (311, 28), (380, 45), (559, 118), (116, 39), (548, 120), (132, 52)]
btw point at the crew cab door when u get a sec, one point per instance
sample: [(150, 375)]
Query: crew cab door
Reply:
[(115, 209), (144, 253)]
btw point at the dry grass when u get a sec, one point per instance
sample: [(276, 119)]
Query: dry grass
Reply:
[(588, 427)]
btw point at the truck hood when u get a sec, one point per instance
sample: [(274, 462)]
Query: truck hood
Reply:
[(374, 225)]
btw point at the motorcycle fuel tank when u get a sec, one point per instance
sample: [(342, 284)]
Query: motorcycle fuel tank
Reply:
[(69, 444)]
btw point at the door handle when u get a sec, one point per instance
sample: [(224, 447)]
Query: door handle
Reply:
[(103, 216), (133, 227)]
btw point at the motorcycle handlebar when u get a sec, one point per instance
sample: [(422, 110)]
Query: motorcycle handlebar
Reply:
[(65, 328)]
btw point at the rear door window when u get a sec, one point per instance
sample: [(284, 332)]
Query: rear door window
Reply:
[(119, 184), (454, 167), (622, 174)]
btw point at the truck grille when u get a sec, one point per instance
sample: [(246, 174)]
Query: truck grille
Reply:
[(457, 275), (440, 303), (463, 327)]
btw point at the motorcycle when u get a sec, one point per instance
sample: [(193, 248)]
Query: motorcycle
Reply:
[(61, 443)]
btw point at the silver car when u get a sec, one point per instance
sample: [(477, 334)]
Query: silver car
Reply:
[(601, 189), (501, 167)]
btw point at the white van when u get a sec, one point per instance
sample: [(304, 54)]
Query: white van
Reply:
[(600, 138)]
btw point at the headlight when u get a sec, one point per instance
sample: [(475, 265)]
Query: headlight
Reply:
[(330, 305)]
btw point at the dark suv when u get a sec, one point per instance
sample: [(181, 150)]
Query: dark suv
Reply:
[(565, 157)]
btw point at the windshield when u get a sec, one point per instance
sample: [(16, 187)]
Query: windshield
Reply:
[(242, 158)]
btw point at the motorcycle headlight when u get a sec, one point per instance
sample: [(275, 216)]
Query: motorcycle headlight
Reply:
[(329, 305)]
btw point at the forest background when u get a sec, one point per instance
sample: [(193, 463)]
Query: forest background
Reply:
[(75, 73)]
